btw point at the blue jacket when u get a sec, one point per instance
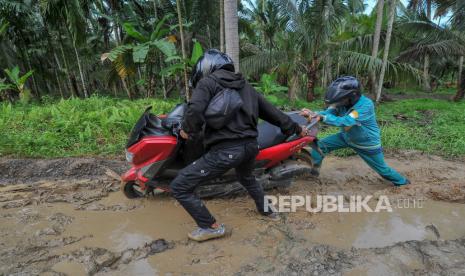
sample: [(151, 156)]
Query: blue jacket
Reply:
[(358, 124)]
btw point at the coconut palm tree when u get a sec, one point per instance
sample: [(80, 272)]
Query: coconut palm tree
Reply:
[(424, 6), (376, 38), (231, 30), (391, 17)]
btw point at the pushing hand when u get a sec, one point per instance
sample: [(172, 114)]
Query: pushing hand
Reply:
[(307, 113), (184, 135), (304, 131)]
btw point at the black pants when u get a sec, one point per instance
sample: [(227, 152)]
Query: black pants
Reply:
[(214, 164)]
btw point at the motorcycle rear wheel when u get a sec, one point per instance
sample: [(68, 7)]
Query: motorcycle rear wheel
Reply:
[(132, 190)]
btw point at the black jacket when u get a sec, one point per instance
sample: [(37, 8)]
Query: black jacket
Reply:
[(244, 126)]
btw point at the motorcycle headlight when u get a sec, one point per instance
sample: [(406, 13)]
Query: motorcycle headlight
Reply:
[(129, 156)]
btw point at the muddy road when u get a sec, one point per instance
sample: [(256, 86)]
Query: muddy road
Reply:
[(68, 217)]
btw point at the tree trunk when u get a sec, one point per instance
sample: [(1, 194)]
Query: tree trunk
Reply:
[(66, 66), (163, 81), (52, 49), (426, 77), (115, 91), (293, 88), (75, 86), (78, 59), (154, 2), (28, 66), (183, 48), (126, 88), (376, 38), (33, 77), (311, 79), (222, 25), (392, 15), (426, 60), (231, 31), (460, 82), (328, 74)]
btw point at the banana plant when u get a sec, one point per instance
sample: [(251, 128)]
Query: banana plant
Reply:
[(197, 52), (126, 56), (268, 85), (17, 83)]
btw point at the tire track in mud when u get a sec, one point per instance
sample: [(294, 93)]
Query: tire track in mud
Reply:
[(33, 243), (405, 258)]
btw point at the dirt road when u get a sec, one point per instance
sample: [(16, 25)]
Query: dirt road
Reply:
[(67, 216)]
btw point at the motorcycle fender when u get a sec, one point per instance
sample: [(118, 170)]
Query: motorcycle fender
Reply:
[(130, 175)]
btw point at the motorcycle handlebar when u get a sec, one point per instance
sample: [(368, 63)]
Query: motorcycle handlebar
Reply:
[(309, 126)]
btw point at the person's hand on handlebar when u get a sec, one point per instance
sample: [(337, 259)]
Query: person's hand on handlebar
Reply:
[(304, 131), (183, 134), (307, 113), (310, 115)]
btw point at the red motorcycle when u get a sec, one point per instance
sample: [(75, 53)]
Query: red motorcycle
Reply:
[(156, 154)]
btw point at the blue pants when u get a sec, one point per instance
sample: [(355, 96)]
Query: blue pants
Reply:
[(375, 161)]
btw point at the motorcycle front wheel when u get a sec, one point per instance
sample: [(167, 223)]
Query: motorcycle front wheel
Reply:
[(132, 190)]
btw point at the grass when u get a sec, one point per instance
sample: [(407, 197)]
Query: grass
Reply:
[(95, 126), (99, 126), (415, 91)]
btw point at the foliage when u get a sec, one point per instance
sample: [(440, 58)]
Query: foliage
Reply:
[(268, 85), (17, 83), (100, 125), (126, 56), (307, 43), (95, 126)]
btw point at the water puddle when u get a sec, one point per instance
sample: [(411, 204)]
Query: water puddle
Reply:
[(436, 220), (252, 238)]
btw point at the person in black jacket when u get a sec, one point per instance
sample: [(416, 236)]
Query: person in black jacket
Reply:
[(233, 146)]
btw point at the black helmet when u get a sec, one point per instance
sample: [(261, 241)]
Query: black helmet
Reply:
[(211, 61), (343, 91)]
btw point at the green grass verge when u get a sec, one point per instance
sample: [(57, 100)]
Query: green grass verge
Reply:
[(415, 91), (95, 126), (99, 126)]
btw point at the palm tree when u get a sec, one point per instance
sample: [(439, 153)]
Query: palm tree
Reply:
[(376, 38), (183, 48), (460, 82), (267, 20), (231, 31), (457, 20), (426, 37), (391, 17), (424, 6), (221, 25), (308, 30)]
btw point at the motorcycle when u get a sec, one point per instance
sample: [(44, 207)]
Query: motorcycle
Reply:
[(157, 153)]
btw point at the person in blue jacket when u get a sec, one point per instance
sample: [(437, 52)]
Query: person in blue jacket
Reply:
[(354, 113)]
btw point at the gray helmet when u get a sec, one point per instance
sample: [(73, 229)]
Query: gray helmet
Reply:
[(343, 91), (211, 61)]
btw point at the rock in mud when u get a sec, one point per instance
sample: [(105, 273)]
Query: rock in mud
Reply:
[(158, 246)]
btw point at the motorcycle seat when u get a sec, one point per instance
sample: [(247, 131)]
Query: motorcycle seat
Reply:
[(270, 135), (174, 117)]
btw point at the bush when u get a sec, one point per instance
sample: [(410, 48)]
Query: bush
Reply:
[(94, 126), (100, 126)]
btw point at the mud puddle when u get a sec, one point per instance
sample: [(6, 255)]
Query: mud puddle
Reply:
[(82, 225), (253, 241), (434, 220)]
